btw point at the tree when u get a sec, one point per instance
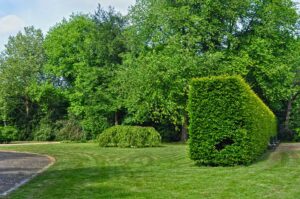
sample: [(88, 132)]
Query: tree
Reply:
[(83, 53), (291, 115), (21, 66)]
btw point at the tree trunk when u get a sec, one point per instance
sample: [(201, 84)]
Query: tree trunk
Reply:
[(184, 129), (116, 118), (288, 115), (27, 106), (289, 108), (4, 119)]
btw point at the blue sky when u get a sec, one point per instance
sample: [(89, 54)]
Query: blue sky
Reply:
[(16, 14)]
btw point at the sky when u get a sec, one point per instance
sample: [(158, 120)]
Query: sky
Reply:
[(17, 14)]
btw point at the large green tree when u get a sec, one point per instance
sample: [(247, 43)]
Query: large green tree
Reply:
[(21, 67), (291, 116), (83, 54)]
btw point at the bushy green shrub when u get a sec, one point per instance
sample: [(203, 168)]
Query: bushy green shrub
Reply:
[(129, 136), (229, 123), (8, 134), (44, 133), (69, 130)]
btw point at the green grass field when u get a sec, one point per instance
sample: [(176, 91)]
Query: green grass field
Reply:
[(87, 171)]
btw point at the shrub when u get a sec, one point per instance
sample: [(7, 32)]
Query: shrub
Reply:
[(69, 130), (129, 136), (44, 132), (8, 134), (229, 123)]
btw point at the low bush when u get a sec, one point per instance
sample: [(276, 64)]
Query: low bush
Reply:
[(69, 130), (44, 132), (229, 123), (8, 134), (129, 136)]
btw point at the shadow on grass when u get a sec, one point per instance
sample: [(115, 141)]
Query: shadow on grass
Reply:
[(263, 158), (90, 182)]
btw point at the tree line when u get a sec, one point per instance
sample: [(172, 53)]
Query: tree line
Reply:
[(93, 71)]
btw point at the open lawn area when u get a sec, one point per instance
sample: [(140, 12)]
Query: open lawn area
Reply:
[(87, 171)]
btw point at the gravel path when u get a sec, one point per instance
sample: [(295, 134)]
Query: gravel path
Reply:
[(17, 168)]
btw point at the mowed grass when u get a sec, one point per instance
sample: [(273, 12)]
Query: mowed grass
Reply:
[(87, 171)]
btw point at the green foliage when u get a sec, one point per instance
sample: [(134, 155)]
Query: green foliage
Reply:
[(295, 115), (171, 42), (44, 132), (104, 68), (154, 86), (66, 46), (21, 67), (229, 123), (8, 134), (297, 135), (129, 136), (69, 130), (292, 116), (52, 101), (84, 53)]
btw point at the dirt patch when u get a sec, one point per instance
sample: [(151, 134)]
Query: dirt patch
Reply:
[(289, 147), (291, 150), (18, 168)]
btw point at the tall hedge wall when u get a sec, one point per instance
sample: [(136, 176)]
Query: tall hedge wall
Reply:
[(229, 123)]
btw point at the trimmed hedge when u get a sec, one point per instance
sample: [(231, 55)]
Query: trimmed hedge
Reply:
[(229, 123), (129, 136)]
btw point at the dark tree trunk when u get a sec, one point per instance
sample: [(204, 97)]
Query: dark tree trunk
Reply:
[(286, 127), (116, 118), (184, 129), (288, 115), (27, 106)]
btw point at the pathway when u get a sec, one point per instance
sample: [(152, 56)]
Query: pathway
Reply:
[(18, 168)]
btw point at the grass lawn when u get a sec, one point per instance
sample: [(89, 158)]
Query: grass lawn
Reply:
[(87, 171)]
